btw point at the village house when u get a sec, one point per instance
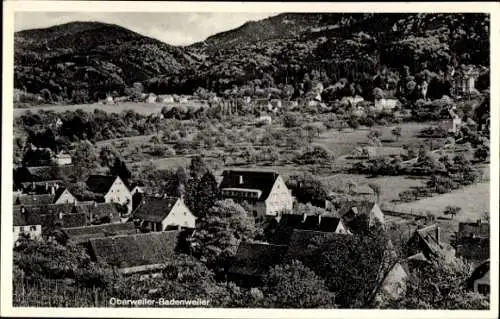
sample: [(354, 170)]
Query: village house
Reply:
[(165, 98), (26, 223), (141, 254), (280, 230), (265, 192), (479, 281), (51, 215), (473, 241), (63, 196), (253, 261), (99, 213), (111, 189), (464, 82), (351, 210), (386, 104), (162, 213), (61, 159), (44, 187), (37, 174), (426, 244), (80, 235), (151, 98)]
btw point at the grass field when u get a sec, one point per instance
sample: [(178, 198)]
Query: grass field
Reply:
[(142, 108), (474, 201)]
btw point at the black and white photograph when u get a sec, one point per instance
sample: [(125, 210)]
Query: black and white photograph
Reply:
[(273, 159)]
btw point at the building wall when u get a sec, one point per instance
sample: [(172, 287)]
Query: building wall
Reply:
[(119, 193), (341, 229), (279, 199), (485, 280), (65, 160), (34, 231), (66, 198), (180, 215), (376, 214)]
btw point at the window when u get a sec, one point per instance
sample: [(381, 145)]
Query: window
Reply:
[(22, 229), (185, 213), (33, 228)]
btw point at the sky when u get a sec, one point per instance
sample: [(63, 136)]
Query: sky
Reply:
[(179, 28)]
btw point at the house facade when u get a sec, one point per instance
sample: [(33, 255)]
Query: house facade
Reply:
[(265, 192), (162, 213), (26, 224), (61, 159), (112, 189), (63, 196)]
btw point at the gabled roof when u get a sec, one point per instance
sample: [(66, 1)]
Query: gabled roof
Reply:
[(255, 259), (95, 211), (329, 224), (24, 218), (68, 220), (59, 192), (479, 272), (135, 250), (259, 180), (82, 234), (359, 207), (42, 199), (155, 209), (100, 184)]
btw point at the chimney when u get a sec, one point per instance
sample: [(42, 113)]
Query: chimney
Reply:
[(52, 190), (438, 235), (241, 179), (23, 210), (94, 204), (60, 215), (304, 218), (46, 186)]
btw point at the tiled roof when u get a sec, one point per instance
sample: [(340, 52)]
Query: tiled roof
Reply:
[(255, 259), (43, 199), (135, 250), (361, 208), (479, 272), (259, 180), (68, 220), (82, 234), (475, 249), (100, 184), (24, 219), (155, 209), (96, 211), (49, 214)]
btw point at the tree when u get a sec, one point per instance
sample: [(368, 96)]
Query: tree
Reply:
[(197, 167), (204, 195), (440, 285), (396, 132), (376, 189), (220, 231), (84, 159), (452, 210), (296, 286), (307, 188), (120, 169)]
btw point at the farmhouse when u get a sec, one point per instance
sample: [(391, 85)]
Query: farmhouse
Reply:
[(253, 261), (132, 254), (265, 192), (479, 281), (351, 210), (43, 199), (385, 104), (63, 196), (111, 188), (98, 213), (165, 98), (51, 215), (161, 213), (61, 159), (287, 223), (79, 235), (26, 223), (427, 241)]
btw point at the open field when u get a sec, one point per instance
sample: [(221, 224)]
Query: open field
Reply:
[(141, 107), (474, 201)]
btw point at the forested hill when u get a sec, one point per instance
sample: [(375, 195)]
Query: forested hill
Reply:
[(81, 60), (284, 50)]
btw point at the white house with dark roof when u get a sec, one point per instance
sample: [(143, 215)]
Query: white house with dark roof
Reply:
[(265, 192), (111, 188), (26, 223), (162, 213)]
